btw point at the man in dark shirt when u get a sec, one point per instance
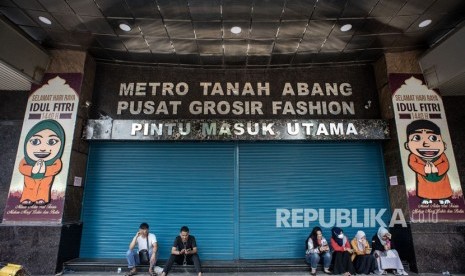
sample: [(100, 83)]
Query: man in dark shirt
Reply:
[(184, 251)]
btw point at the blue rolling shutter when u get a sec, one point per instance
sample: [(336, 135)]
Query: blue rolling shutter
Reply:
[(306, 175), (226, 193), (166, 185)]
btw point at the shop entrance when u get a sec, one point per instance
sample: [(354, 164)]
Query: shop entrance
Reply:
[(233, 196)]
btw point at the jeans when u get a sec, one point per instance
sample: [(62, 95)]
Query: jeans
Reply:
[(314, 258), (133, 258)]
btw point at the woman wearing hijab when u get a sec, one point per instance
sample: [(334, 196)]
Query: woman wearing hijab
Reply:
[(316, 248), (43, 148), (386, 256), (342, 261), (364, 262)]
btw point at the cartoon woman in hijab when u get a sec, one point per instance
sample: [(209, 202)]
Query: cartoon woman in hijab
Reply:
[(43, 147)]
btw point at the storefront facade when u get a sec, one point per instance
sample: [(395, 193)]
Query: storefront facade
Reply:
[(249, 159), (232, 154)]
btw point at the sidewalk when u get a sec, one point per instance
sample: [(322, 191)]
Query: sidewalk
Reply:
[(71, 273)]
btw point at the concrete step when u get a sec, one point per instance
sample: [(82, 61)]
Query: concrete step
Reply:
[(271, 265), (83, 264)]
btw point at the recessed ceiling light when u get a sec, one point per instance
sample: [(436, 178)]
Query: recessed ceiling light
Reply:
[(346, 27), (425, 23), (45, 20), (125, 27), (236, 30)]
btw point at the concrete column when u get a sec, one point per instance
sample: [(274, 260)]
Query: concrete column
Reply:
[(42, 249), (428, 247)]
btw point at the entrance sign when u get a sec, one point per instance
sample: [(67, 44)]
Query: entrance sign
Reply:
[(189, 130), (430, 172)]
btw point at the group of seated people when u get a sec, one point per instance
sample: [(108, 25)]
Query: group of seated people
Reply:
[(340, 255), (184, 251), (355, 256)]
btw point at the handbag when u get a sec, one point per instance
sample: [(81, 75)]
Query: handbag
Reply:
[(144, 258)]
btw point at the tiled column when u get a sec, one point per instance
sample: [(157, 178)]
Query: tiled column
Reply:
[(42, 249), (429, 247)]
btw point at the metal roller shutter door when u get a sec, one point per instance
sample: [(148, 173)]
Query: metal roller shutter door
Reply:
[(231, 194), (307, 175), (165, 184)]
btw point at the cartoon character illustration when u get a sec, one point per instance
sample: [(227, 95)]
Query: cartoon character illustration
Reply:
[(429, 162), (43, 147)]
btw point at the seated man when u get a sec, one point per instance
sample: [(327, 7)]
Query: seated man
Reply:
[(144, 240), (184, 251)]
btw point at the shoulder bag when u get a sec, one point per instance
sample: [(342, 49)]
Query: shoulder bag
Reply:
[(144, 257)]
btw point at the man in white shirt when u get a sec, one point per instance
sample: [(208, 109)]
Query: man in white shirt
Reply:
[(144, 240)]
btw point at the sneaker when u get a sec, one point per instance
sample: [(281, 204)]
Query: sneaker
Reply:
[(158, 270), (326, 270), (313, 272), (132, 272)]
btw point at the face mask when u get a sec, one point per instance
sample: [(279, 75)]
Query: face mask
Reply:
[(340, 236)]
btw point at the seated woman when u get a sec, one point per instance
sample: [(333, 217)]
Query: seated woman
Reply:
[(385, 254), (342, 261), (316, 248), (364, 262)]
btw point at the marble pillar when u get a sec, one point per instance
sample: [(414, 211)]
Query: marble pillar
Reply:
[(42, 248), (428, 247)]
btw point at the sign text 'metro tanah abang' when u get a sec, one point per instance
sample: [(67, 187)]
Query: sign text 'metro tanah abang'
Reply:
[(234, 98)]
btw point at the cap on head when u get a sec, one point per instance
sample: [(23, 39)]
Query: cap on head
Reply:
[(422, 124), (144, 225)]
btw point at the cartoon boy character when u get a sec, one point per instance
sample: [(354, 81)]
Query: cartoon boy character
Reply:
[(43, 147), (429, 162)]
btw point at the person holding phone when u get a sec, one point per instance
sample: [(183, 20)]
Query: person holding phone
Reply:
[(317, 248), (184, 251), (342, 261), (364, 261), (385, 254), (144, 240)]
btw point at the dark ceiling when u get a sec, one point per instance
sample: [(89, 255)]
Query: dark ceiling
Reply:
[(196, 33)]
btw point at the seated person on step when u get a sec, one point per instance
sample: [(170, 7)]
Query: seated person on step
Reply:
[(317, 248), (364, 261), (386, 256), (144, 240), (184, 251), (342, 260)]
